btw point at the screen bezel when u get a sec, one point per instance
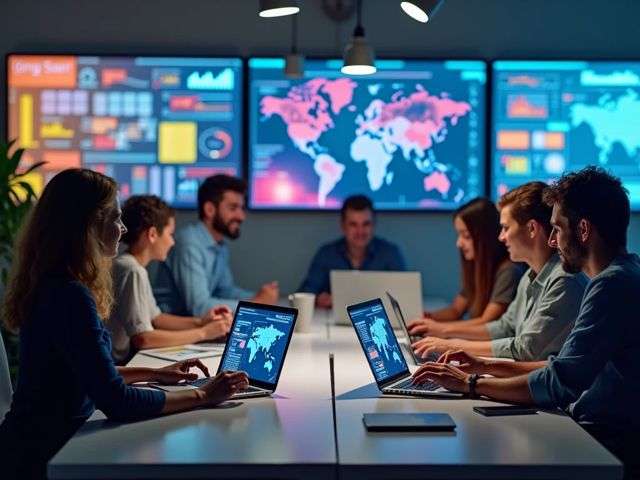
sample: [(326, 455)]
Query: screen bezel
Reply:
[(242, 110), (397, 376), (262, 306), (492, 87), (484, 162)]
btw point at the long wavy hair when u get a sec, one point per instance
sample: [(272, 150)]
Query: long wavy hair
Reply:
[(482, 219), (62, 235)]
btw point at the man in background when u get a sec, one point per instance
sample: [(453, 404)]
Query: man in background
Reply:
[(358, 249)]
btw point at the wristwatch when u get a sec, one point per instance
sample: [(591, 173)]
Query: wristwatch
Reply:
[(473, 380)]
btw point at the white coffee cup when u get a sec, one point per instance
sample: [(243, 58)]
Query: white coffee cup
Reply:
[(305, 303)]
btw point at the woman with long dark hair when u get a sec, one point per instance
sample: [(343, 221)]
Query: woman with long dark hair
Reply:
[(58, 295), (489, 278)]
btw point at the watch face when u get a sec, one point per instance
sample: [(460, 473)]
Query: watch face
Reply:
[(339, 10)]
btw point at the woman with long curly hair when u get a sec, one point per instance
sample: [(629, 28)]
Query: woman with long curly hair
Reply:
[(58, 295)]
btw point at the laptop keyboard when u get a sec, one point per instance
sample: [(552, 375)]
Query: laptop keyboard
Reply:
[(407, 387), (201, 381)]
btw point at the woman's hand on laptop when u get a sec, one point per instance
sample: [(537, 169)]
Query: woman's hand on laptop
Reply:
[(221, 387), (176, 372), (427, 326), (445, 375)]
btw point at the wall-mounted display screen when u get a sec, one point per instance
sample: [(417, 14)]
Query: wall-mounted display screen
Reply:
[(550, 117), (410, 136), (157, 125)]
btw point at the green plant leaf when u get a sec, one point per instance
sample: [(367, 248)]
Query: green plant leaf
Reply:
[(29, 170)]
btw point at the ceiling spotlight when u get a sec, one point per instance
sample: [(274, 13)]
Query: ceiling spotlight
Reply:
[(358, 56), (421, 10), (278, 8), (294, 65)]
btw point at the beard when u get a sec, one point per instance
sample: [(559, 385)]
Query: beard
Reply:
[(224, 228), (573, 255)]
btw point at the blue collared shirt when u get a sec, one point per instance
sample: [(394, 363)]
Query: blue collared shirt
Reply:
[(539, 319), (381, 255), (596, 375), (201, 273)]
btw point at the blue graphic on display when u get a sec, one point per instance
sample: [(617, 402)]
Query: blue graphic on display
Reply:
[(257, 343), (379, 341), (551, 117), (411, 136)]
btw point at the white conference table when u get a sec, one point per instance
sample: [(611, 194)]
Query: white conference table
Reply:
[(291, 435)]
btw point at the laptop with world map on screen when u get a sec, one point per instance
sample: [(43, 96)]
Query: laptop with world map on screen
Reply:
[(258, 343), (381, 347)]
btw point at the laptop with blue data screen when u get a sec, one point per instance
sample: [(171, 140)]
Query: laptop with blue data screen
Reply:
[(381, 347), (257, 344)]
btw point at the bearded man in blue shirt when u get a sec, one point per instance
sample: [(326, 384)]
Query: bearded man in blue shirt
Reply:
[(595, 376)]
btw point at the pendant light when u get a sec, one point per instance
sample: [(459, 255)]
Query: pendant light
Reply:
[(294, 64), (358, 56)]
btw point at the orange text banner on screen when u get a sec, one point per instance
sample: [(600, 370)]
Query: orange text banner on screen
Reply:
[(42, 71)]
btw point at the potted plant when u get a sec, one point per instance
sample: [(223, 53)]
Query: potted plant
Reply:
[(16, 198)]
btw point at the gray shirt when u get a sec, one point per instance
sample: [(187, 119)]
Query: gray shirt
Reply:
[(541, 316), (596, 375), (134, 308)]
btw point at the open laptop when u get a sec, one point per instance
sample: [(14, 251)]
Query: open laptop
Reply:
[(354, 286), (383, 353), (397, 310), (258, 343)]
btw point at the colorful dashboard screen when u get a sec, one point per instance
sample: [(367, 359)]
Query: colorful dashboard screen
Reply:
[(410, 136), (158, 125), (551, 117)]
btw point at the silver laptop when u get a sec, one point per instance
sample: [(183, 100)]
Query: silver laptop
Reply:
[(258, 344), (353, 286), (380, 346), (397, 310)]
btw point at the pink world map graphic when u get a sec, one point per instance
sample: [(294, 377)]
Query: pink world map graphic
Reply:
[(409, 124)]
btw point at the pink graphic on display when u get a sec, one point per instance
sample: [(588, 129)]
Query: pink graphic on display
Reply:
[(437, 181), (425, 114), (305, 110), (241, 343), (340, 92), (279, 188)]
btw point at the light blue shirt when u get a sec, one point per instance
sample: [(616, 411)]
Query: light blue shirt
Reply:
[(539, 319), (201, 273), (596, 375)]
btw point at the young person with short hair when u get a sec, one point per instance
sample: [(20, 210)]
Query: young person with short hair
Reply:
[(136, 322)]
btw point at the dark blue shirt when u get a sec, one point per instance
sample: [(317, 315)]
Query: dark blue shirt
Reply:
[(381, 255), (66, 371), (596, 375)]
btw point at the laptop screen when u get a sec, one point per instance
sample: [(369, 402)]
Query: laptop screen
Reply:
[(376, 336), (258, 342)]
